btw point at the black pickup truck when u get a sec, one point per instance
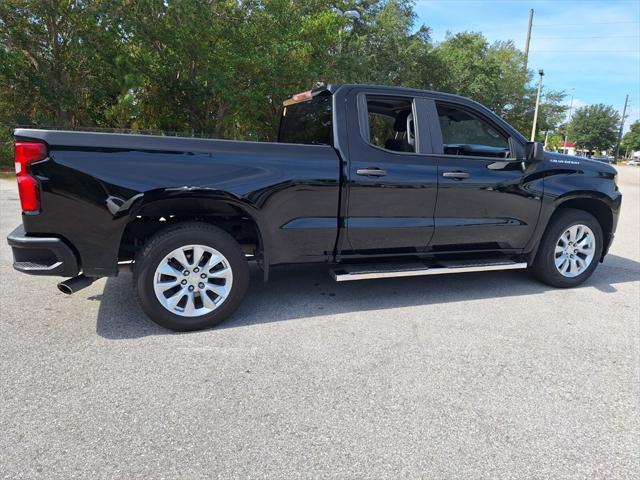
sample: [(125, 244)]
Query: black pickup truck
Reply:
[(373, 181)]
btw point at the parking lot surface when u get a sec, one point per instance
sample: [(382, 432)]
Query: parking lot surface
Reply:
[(486, 375)]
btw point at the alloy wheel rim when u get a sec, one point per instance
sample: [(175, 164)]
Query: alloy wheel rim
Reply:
[(574, 250), (193, 280)]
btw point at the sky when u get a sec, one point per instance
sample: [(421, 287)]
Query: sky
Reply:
[(588, 48)]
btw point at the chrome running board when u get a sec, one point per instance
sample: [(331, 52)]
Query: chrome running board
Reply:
[(347, 273)]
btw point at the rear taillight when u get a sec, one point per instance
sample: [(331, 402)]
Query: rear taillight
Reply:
[(28, 186)]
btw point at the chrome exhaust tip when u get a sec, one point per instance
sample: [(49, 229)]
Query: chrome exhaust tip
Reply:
[(75, 284)]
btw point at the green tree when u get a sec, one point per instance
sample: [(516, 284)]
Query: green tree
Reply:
[(553, 140), (223, 67), (595, 127), (468, 65), (59, 63), (382, 48), (631, 139), (552, 111), (471, 67), (59, 66)]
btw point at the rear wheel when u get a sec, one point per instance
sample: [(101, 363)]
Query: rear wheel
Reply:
[(570, 249), (191, 276)]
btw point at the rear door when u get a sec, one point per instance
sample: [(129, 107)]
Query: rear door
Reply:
[(391, 185)]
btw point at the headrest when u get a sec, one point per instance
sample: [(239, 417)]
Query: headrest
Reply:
[(400, 124)]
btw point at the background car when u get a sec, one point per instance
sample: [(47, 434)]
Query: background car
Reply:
[(603, 158)]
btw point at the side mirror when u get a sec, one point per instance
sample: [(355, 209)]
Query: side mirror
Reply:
[(534, 152)]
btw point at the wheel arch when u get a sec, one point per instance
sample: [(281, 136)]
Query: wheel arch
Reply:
[(596, 204), (596, 207), (602, 206), (158, 211)]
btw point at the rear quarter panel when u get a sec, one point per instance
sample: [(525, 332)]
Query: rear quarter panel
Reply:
[(94, 184)]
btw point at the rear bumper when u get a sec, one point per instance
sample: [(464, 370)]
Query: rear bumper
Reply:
[(42, 255)]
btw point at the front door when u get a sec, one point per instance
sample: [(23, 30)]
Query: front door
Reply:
[(391, 186), (486, 200)]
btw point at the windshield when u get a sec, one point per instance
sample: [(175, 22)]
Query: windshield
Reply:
[(307, 122)]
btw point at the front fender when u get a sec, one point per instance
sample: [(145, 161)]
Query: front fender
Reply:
[(593, 191)]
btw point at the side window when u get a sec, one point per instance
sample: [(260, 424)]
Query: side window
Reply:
[(391, 124), (465, 134)]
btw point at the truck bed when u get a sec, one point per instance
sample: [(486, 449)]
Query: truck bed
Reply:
[(94, 184)]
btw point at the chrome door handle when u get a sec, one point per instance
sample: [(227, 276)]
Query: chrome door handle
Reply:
[(371, 172), (456, 175)]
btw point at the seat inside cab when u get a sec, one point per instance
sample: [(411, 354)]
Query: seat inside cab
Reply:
[(391, 124)]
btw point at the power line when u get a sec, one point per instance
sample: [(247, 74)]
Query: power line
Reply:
[(584, 24), (569, 51), (592, 36)]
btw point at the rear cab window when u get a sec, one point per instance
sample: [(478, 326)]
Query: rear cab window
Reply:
[(309, 122), (390, 123)]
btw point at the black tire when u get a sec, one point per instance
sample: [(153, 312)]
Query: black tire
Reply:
[(163, 243), (543, 267)]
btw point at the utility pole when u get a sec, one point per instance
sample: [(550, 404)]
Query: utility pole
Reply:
[(535, 114), (526, 45), (624, 113)]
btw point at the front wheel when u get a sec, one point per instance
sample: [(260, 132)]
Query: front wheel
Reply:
[(570, 249), (190, 276)]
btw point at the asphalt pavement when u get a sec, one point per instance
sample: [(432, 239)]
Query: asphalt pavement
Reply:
[(469, 376)]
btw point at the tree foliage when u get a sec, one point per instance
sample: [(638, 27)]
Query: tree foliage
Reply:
[(59, 62), (595, 127), (223, 67), (631, 139)]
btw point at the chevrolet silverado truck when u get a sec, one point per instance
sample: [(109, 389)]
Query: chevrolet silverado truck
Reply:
[(373, 181)]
